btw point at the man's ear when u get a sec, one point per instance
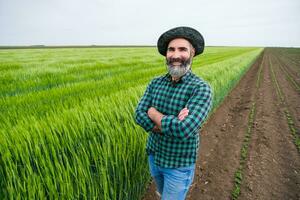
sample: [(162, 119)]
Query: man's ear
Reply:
[(193, 51)]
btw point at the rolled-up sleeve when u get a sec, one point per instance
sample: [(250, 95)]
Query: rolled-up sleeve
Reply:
[(141, 116), (198, 105)]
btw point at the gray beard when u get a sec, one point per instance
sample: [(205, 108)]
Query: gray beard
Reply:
[(178, 71)]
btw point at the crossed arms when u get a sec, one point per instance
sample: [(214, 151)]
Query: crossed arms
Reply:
[(182, 125), (156, 117)]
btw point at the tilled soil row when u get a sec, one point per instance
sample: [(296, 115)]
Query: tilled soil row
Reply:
[(289, 87), (291, 74), (273, 167), (289, 67)]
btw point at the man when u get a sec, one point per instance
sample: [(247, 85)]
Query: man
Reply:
[(172, 110)]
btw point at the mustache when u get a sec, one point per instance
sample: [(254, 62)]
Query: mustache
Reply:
[(183, 62)]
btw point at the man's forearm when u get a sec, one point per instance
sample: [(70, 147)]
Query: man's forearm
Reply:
[(155, 116)]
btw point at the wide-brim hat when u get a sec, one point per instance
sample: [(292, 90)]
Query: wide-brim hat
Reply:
[(188, 33)]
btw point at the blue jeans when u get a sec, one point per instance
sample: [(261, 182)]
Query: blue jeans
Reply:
[(172, 183)]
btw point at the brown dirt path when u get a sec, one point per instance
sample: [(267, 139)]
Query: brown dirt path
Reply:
[(273, 163), (273, 167)]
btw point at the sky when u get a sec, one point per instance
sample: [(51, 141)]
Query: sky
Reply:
[(141, 22)]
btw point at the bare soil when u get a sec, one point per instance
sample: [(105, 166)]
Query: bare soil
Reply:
[(272, 169)]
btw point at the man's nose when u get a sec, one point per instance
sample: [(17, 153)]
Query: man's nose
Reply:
[(176, 54)]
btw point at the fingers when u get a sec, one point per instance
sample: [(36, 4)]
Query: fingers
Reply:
[(181, 117), (183, 113), (183, 110), (156, 129)]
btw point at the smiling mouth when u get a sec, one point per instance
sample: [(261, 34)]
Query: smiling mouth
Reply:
[(176, 63)]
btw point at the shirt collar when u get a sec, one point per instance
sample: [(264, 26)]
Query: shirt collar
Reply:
[(182, 79)]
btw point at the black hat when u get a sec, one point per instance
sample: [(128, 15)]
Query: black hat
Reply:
[(190, 34)]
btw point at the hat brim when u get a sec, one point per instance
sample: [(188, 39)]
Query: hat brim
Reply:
[(190, 34)]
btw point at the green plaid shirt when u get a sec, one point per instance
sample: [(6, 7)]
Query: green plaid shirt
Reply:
[(177, 145)]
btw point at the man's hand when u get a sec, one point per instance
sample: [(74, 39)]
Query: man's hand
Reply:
[(156, 129), (183, 114)]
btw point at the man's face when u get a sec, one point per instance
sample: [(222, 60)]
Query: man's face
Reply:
[(179, 57)]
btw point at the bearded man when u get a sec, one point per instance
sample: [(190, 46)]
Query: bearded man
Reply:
[(172, 110)]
